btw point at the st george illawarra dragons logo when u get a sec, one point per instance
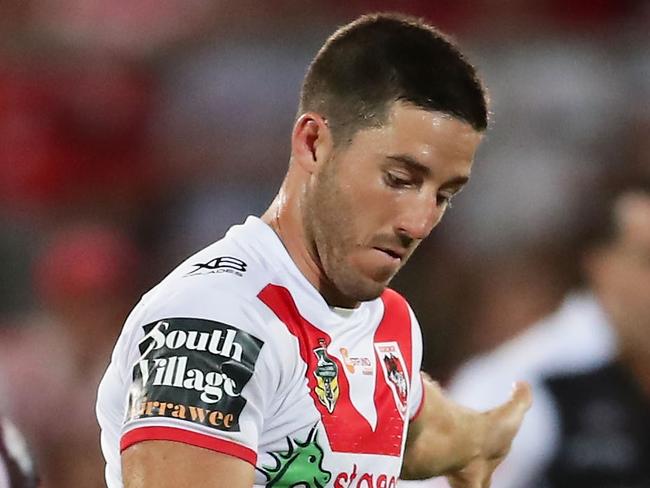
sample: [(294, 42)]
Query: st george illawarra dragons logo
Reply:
[(395, 373), (397, 377), (327, 377)]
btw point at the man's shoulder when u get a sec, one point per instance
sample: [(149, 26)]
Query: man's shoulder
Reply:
[(233, 269), (220, 283), (574, 337), (575, 333), (236, 260)]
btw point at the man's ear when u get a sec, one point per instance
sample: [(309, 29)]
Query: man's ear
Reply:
[(311, 141)]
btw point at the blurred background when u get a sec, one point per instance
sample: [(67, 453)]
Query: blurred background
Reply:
[(134, 133)]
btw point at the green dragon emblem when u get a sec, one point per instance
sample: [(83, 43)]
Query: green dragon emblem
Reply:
[(300, 465)]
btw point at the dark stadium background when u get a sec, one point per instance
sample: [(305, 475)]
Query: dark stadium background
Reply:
[(134, 132)]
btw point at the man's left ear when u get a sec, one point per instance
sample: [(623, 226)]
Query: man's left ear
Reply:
[(311, 141)]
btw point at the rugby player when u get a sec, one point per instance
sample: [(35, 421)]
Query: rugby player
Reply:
[(277, 356)]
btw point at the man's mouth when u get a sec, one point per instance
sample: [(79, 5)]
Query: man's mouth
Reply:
[(391, 252)]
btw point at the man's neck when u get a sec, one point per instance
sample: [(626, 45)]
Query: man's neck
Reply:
[(285, 218)]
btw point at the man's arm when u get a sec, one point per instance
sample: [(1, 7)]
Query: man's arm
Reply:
[(466, 445), (165, 464)]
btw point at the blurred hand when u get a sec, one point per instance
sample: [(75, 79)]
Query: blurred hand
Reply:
[(498, 428)]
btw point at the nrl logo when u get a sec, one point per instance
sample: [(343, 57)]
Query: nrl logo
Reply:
[(327, 377)]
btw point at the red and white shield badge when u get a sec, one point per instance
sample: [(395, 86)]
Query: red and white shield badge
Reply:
[(394, 368)]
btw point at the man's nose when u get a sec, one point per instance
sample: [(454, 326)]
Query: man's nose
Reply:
[(419, 217)]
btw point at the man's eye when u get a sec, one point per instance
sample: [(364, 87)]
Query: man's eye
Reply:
[(396, 181), (444, 199)]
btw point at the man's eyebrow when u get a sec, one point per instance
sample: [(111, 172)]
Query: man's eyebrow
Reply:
[(457, 182), (415, 165), (412, 163)]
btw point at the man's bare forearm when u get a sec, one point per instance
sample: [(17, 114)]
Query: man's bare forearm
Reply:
[(443, 438)]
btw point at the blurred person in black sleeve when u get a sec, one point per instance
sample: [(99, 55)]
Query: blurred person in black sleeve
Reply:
[(588, 363)]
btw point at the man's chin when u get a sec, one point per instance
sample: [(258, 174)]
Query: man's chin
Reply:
[(357, 283), (364, 290)]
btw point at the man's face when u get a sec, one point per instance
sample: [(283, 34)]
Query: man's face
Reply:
[(373, 202), (621, 276)]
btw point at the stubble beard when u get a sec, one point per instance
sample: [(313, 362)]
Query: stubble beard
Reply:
[(329, 222)]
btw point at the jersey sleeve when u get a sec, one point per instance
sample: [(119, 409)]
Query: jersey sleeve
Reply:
[(196, 374), (416, 400)]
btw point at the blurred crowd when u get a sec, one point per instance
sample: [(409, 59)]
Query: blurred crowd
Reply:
[(134, 133)]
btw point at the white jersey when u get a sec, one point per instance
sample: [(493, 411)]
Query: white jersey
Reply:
[(237, 352)]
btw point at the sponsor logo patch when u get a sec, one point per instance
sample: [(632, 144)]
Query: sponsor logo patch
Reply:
[(393, 366), (222, 264), (354, 364), (193, 370)]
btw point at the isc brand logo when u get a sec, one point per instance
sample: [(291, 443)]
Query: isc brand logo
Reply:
[(222, 264)]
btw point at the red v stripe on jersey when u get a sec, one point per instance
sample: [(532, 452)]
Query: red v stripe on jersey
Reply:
[(348, 430)]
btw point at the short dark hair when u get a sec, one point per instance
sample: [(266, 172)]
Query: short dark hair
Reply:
[(378, 59)]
